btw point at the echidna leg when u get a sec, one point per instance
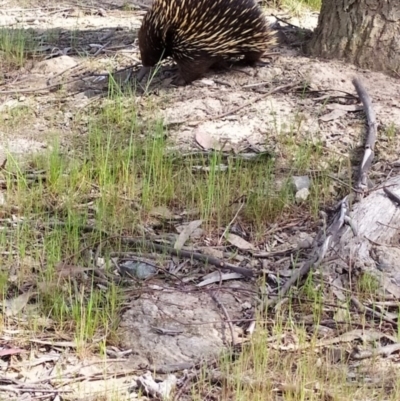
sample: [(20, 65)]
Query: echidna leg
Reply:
[(252, 58), (191, 70)]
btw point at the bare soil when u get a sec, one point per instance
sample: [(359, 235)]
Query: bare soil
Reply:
[(80, 40), (78, 32)]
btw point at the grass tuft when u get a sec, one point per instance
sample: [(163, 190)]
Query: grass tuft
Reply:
[(16, 46)]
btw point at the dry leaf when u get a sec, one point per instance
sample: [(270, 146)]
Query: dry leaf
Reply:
[(216, 277), (10, 351), (333, 115), (15, 305), (187, 231), (206, 141), (240, 243), (345, 107), (162, 211)]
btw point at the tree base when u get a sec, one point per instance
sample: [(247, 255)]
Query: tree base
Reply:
[(366, 34)]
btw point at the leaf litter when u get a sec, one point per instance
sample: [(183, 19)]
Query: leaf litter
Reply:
[(162, 314)]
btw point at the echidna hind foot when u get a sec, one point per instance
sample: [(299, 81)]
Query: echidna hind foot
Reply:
[(252, 58), (190, 70)]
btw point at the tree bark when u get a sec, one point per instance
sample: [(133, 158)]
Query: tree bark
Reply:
[(363, 32)]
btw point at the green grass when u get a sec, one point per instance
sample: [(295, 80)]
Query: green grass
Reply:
[(296, 7), (277, 365), (111, 179), (284, 361), (16, 45), (314, 4)]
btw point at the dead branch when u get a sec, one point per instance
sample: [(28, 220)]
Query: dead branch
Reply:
[(374, 313), (362, 183), (328, 237), (138, 242), (393, 197), (324, 240)]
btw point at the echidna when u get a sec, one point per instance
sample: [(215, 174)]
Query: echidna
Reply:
[(200, 33)]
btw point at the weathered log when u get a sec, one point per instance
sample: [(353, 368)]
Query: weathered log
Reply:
[(375, 249)]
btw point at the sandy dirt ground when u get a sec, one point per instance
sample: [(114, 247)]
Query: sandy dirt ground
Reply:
[(80, 43)]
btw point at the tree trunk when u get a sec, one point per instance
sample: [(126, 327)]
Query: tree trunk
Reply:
[(363, 32)]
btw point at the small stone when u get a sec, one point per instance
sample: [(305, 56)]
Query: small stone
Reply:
[(246, 305), (302, 195), (102, 12), (301, 182), (140, 270), (207, 82), (55, 65), (305, 241), (100, 262)]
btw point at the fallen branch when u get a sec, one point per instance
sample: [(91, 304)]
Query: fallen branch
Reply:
[(362, 183), (326, 238), (187, 254), (393, 197), (329, 236), (374, 313)]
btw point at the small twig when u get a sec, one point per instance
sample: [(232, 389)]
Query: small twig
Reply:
[(236, 109), (49, 81), (230, 223), (362, 183), (295, 277), (329, 236), (228, 319), (374, 313), (101, 48), (378, 188), (348, 94), (285, 22), (331, 176), (392, 196)]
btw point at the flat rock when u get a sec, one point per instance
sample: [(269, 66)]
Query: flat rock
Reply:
[(195, 317), (54, 65)]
